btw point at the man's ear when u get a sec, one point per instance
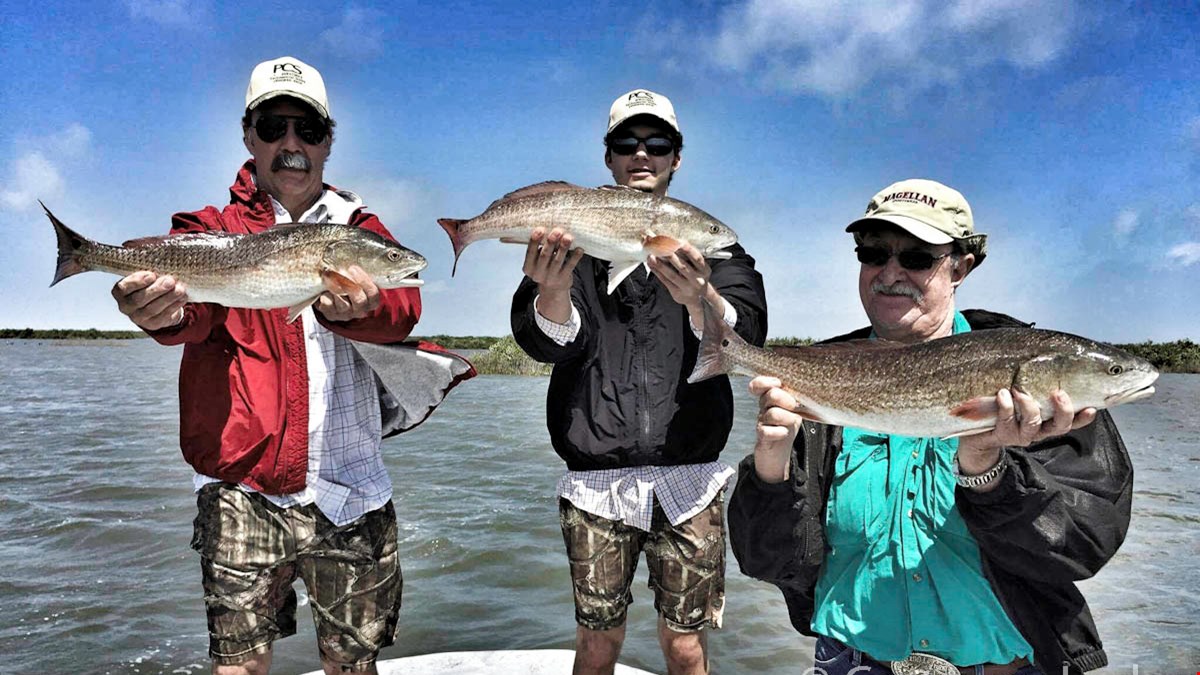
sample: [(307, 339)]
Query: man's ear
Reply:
[(675, 164), (246, 140), (966, 263)]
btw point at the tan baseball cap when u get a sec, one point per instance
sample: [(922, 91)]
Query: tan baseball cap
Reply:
[(929, 211), (287, 76), (642, 102)]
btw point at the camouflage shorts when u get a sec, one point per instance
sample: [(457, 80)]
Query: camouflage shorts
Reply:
[(251, 553), (687, 566)]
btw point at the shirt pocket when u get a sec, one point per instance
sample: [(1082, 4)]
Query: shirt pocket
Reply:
[(857, 492)]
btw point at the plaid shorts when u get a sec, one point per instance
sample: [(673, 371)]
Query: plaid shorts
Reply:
[(687, 566), (251, 553)]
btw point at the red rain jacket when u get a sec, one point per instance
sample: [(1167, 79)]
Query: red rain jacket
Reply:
[(243, 380)]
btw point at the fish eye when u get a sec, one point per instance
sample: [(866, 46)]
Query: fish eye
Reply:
[(724, 343), (1115, 369), (714, 229), (393, 255)]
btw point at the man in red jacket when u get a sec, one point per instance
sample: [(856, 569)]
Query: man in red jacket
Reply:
[(282, 421)]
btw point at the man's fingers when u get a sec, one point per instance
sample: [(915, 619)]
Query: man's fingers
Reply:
[(133, 282), (1064, 415), (1084, 418), (762, 383)]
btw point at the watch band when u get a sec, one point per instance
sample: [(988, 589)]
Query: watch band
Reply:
[(980, 479)]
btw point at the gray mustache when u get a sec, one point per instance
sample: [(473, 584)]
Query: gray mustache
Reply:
[(898, 288), (291, 160)]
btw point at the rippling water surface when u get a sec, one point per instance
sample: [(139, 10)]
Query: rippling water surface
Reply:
[(96, 575)]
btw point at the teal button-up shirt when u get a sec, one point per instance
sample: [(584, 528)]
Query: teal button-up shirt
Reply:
[(903, 573)]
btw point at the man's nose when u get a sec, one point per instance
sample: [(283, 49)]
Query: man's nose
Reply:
[(291, 141)]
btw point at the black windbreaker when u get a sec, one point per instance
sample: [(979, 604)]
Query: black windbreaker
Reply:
[(619, 396), (1060, 512)]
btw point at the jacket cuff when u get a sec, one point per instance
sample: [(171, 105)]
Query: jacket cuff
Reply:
[(750, 476)]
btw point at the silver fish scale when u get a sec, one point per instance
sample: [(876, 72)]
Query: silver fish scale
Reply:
[(913, 387), (607, 224), (276, 268)]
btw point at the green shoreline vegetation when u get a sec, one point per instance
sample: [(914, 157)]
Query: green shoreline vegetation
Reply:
[(502, 356)]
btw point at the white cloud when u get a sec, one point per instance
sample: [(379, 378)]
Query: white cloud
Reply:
[(186, 13), (360, 34), (1125, 223), (32, 176), (1185, 254), (1194, 212), (837, 49)]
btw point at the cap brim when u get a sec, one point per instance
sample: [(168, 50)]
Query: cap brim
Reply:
[(926, 233), (296, 95), (669, 123)]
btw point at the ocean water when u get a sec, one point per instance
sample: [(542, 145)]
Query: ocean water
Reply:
[(96, 575)]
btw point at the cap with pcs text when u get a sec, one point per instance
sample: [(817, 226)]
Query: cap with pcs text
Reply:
[(929, 211), (287, 76), (642, 102)]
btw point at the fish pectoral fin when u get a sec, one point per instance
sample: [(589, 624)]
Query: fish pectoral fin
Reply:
[(660, 244), (980, 408), (617, 274), (809, 413), (514, 240), (295, 310), (968, 432), (339, 283)]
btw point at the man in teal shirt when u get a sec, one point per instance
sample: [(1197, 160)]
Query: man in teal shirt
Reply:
[(926, 555)]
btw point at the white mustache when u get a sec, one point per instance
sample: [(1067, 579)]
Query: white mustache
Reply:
[(291, 160), (898, 288)]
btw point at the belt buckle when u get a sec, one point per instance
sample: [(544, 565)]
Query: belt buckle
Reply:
[(918, 663)]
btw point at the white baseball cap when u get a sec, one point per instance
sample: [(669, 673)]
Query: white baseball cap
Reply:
[(642, 102), (287, 76)]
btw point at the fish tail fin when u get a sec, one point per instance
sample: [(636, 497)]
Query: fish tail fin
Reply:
[(716, 336), (451, 226), (69, 245)]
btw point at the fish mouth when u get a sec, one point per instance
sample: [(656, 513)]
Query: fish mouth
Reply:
[(719, 255), (409, 283), (1129, 396)]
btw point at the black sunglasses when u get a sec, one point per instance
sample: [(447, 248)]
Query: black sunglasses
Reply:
[(271, 128), (658, 146), (914, 260)]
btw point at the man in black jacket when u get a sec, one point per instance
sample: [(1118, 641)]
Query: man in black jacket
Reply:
[(933, 555), (640, 443)]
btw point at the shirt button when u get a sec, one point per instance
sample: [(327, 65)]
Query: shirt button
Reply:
[(910, 513), (914, 455), (924, 643), (917, 578)]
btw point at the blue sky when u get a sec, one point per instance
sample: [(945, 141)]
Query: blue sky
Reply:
[(1073, 129)]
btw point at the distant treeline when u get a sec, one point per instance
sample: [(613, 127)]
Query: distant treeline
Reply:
[(68, 334), (1181, 356)]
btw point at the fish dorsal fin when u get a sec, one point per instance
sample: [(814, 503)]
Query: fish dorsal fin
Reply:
[(188, 237), (617, 273), (619, 188), (543, 188)]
